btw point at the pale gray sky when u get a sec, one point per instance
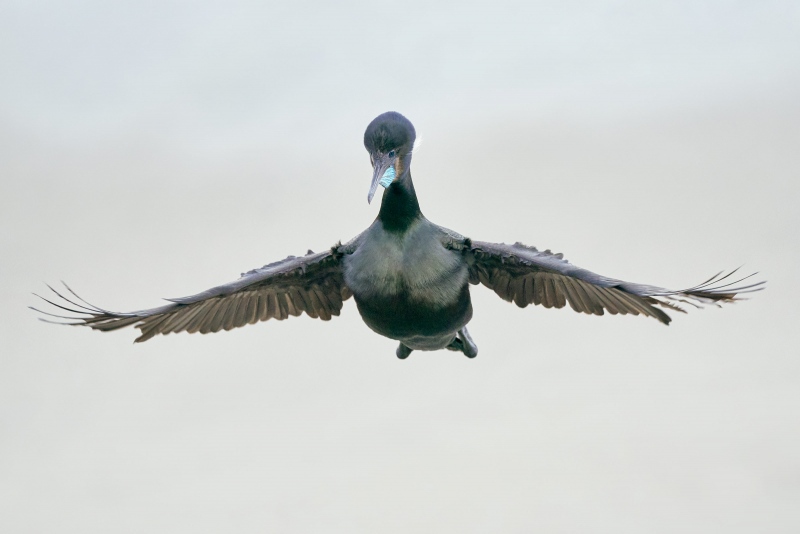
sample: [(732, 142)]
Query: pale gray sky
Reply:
[(152, 150)]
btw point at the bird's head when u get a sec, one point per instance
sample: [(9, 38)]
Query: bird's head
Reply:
[(389, 139)]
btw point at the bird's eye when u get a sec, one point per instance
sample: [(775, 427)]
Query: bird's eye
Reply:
[(391, 153)]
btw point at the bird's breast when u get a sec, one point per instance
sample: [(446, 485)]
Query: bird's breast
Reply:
[(409, 285), (413, 265)]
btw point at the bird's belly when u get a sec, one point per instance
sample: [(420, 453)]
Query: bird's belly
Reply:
[(398, 317)]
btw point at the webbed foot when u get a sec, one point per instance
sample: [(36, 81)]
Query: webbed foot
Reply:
[(463, 343), (403, 351)]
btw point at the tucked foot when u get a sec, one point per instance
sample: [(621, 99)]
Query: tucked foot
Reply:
[(403, 351), (463, 343), (470, 349)]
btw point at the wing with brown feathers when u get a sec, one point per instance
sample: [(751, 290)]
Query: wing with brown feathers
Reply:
[(524, 275), (312, 284)]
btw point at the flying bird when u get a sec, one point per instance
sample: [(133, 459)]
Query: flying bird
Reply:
[(409, 277)]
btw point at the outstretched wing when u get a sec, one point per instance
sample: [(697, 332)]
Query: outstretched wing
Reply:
[(525, 275), (312, 284)]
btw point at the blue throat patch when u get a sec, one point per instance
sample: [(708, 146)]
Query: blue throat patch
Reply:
[(388, 177)]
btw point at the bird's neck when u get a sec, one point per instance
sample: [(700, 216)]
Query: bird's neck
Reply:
[(399, 206)]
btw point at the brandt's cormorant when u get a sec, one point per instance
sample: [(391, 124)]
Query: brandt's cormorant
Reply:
[(409, 277)]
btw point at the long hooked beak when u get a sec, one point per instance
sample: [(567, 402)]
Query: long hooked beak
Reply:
[(384, 174)]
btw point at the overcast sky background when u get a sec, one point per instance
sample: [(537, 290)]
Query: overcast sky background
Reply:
[(154, 149)]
